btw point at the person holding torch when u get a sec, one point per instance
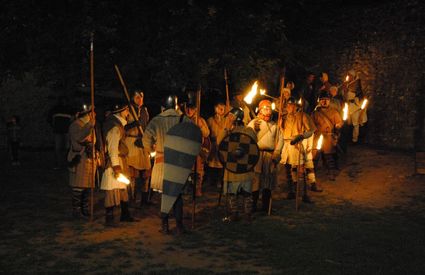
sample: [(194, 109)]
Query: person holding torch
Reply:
[(328, 122), (115, 178)]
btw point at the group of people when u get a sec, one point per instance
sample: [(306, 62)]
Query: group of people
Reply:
[(133, 149)]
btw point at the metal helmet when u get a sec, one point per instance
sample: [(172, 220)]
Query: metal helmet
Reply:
[(170, 102), (264, 103), (191, 100), (324, 94), (84, 109), (119, 107), (238, 113), (292, 100)]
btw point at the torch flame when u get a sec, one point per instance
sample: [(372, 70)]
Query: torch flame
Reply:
[(300, 102), (345, 112), (364, 103), (262, 91), (251, 94), (347, 78), (123, 179), (256, 110), (319, 142), (273, 106)]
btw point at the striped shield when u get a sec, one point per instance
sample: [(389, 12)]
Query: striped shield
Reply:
[(181, 146)]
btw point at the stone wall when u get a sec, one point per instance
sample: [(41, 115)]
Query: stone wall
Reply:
[(385, 43)]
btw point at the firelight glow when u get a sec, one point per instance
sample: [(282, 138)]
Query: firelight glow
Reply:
[(251, 94), (345, 112), (364, 103), (347, 78), (123, 179), (273, 106), (319, 143), (262, 91)]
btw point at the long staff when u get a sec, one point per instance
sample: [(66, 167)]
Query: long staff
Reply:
[(130, 106), (195, 177), (227, 91), (93, 133), (279, 121)]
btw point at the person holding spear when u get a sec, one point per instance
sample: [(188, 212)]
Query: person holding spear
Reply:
[(292, 146)]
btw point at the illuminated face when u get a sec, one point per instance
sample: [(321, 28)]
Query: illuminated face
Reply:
[(190, 111), (290, 108), (286, 93), (220, 109), (333, 92), (138, 99), (266, 112), (324, 102)]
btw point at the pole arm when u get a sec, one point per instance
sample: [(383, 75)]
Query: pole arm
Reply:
[(227, 90), (130, 106)]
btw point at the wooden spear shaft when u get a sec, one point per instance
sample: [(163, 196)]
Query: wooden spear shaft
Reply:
[(279, 121), (195, 180), (93, 133), (227, 91)]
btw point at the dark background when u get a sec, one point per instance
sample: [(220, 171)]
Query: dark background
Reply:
[(169, 46)]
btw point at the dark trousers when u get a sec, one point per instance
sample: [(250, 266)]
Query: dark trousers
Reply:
[(14, 149)]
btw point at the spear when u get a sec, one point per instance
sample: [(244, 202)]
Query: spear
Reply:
[(130, 106), (227, 91), (279, 121), (195, 180), (93, 134)]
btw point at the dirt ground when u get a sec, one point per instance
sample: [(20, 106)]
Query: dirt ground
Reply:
[(371, 221)]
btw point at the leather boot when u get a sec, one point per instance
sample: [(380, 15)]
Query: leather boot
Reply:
[(255, 196), (85, 203), (125, 213), (76, 203), (144, 200), (266, 194), (109, 216), (164, 224), (233, 205), (291, 190), (247, 207), (178, 215), (315, 187)]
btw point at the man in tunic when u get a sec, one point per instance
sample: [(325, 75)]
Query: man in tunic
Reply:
[(294, 147), (266, 130), (217, 125), (138, 158), (239, 186), (190, 110), (80, 161), (353, 94), (153, 140), (116, 165), (328, 122)]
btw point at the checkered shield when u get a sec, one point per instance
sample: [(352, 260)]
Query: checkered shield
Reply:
[(238, 152)]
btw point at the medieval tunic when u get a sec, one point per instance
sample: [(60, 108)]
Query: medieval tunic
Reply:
[(356, 116), (233, 183), (295, 124), (81, 174), (217, 125), (266, 143), (117, 153), (153, 139), (137, 158), (326, 119)]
